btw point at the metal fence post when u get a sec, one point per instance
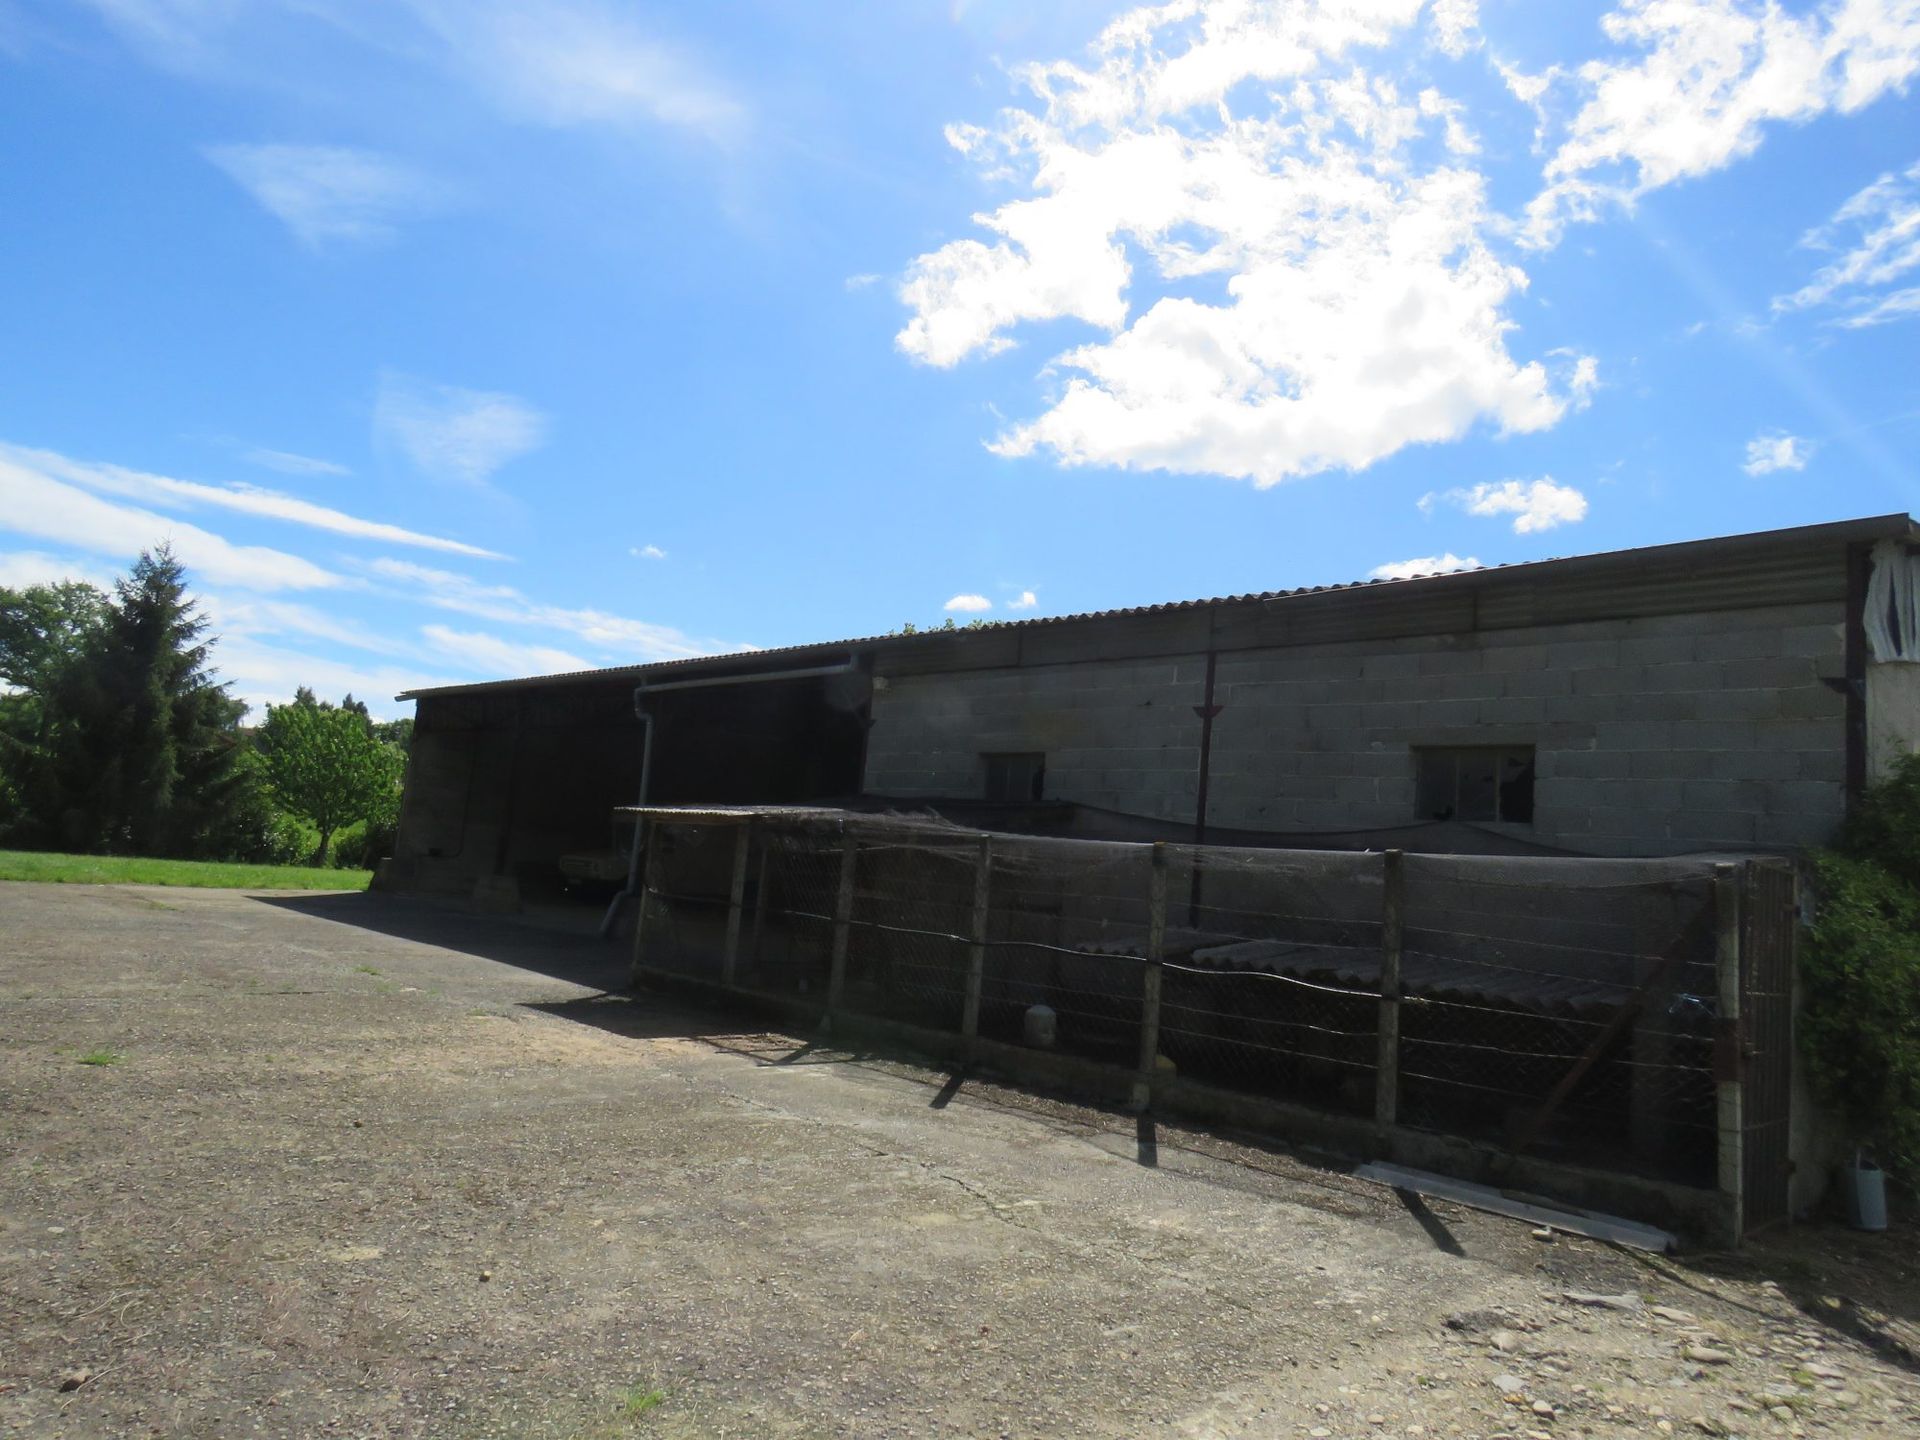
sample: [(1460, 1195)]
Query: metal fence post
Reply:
[(736, 900), (643, 891), (842, 919), (977, 946), (1151, 977), (1729, 1042), (1386, 1068)]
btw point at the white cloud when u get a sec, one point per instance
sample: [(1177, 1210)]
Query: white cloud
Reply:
[(1535, 505), (288, 463), (21, 568), (263, 674), (861, 281), (1364, 309), (1706, 80), (647, 552), (969, 604), (33, 502), (491, 655), (329, 194), (1446, 564), (1026, 601), (245, 499), (1880, 226), (454, 434), (574, 63), (629, 641), (1776, 451), (1456, 26)]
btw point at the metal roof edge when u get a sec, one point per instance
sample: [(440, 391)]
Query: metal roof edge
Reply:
[(1897, 525)]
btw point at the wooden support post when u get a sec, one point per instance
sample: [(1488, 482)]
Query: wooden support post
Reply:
[(1386, 1065), (736, 903), (842, 920), (977, 948), (760, 901), (643, 890), (1729, 1042), (1151, 977)]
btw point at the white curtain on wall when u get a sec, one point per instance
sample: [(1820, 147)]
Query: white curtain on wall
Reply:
[(1893, 604)]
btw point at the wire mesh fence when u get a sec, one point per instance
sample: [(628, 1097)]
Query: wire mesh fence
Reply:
[(1566, 1008)]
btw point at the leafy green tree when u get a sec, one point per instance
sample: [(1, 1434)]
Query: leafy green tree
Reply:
[(325, 764), (43, 630)]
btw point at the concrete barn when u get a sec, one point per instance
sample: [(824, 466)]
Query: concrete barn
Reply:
[(1720, 695)]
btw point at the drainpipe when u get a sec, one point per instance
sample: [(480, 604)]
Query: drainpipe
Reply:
[(645, 717)]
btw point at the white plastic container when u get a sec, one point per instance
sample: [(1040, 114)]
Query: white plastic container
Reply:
[(1866, 1195), (1041, 1026)]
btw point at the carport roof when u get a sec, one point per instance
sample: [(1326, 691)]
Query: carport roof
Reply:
[(1692, 552)]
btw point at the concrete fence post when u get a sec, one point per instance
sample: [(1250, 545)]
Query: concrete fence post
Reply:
[(1151, 978), (1393, 920), (977, 943), (1729, 885), (842, 919), (736, 903)]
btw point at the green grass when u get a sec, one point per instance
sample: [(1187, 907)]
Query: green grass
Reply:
[(201, 874), (102, 1057), (637, 1400)]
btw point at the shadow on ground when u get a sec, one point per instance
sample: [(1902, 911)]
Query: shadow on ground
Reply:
[(1863, 1287)]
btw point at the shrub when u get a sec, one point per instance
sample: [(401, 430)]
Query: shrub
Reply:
[(1860, 1025)]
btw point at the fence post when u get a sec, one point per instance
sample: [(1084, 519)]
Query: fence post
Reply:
[(1386, 1066), (736, 900), (1729, 1041), (977, 946), (842, 919), (760, 900), (645, 889), (1151, 977)]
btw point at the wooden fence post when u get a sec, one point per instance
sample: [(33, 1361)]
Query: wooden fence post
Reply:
[(736, 901), (760, 900), (842, 919), (1729, 1042), (644, 890), (977, 946), (1151, 977), (1386, 1067)]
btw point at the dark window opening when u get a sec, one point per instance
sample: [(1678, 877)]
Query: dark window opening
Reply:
[(1015, 777), (1476, 783)]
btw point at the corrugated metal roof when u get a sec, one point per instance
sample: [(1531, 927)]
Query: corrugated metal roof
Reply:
[(1567, 569)]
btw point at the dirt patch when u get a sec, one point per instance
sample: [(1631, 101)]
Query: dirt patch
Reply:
[(363, 1167)]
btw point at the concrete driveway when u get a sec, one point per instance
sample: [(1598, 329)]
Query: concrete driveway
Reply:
[(359, 1166)]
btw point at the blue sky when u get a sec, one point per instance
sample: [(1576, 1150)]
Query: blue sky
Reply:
[(452, 339)]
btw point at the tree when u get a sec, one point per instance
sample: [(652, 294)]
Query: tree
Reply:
[(138, 748), (325, 764), (43, 630)]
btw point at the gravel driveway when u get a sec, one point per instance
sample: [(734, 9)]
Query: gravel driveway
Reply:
[(331, 1165)]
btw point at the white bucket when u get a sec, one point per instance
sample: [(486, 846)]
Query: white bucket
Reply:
[(1866, 1195), (1041, 1026)]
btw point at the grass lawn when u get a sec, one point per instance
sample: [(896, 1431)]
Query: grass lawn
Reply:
[(202, 874)]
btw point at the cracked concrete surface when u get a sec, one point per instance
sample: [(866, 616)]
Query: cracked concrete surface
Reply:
[(367, 1167)]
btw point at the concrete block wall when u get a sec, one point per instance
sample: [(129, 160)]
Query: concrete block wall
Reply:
[(1117, 734), (1653, 735)]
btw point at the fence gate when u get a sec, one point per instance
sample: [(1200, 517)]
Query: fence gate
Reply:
[(1770, 921)]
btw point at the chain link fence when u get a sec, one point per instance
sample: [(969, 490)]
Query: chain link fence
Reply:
[(1566, 1008)]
